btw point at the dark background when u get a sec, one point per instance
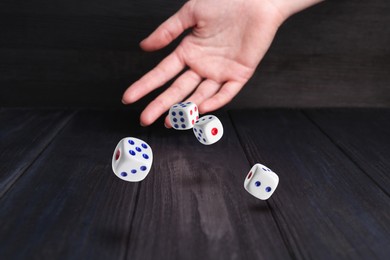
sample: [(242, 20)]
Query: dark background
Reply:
[(84, 53)]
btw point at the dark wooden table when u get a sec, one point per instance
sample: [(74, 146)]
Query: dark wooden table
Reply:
[(59, 198)]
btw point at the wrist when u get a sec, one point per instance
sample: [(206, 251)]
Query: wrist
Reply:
[(287, 8)]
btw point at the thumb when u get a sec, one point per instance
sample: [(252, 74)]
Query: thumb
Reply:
[(170, 29)]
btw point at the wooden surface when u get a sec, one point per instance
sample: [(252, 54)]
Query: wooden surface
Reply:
[(85, 53), (60, 200)]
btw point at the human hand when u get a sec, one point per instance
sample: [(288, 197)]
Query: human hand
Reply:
[(228, 40)]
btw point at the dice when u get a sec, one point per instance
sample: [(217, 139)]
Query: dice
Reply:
[(132, 159), (183, 115), (208, 129), (261, 182)]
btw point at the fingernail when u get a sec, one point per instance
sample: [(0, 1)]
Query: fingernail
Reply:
[(124, 102), (166, 126), (141, 124)]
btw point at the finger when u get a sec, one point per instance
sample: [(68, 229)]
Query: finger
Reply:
[(204, 91), (181, 88), (161, 74), (225, 95), (170, 29), (167, 122)]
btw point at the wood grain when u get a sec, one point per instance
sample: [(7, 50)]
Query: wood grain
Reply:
[(326, 206), (24, 135), (331, 202), (69, 204), (194, 206), (335, 54), (364, 135)]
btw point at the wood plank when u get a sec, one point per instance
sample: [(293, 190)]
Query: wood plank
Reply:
[(69, 204), (63, 78), (53, 31), (24, 134), (326, 207), (119, 8), (364, 135), (333, 54), (193, 205)]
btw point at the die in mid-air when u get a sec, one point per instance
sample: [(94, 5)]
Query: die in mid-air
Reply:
[(132, 159), (208, 129), (261, 181), (183, 115)]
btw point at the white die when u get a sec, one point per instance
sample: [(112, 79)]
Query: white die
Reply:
[(208, 129), (261, 182), (183, 115), (132, 159)]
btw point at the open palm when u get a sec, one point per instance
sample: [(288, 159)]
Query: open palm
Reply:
[(226, 43)]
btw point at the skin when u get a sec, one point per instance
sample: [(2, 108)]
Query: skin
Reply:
[(226, 42)]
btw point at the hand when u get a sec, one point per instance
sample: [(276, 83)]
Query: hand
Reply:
[(228, 40)]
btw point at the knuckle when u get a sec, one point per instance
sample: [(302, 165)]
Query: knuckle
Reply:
[(167, 35), (161, 104)]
